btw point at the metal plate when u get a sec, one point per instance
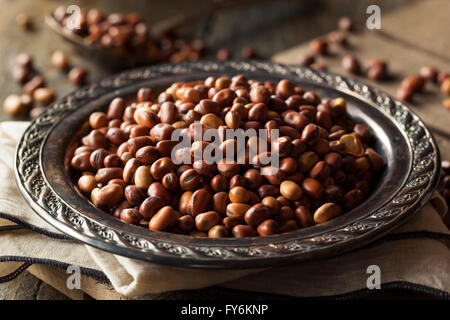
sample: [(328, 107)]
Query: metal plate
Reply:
[(406, 185)]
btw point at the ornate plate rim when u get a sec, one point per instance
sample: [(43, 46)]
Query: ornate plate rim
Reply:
[(416, 191)]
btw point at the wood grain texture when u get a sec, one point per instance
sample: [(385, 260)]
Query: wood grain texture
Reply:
[(404, 59)]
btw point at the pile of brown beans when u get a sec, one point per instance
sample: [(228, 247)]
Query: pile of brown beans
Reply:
[(128, 33), (326, 165)]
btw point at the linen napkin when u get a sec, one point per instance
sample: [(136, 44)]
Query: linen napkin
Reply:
[(415, 256)]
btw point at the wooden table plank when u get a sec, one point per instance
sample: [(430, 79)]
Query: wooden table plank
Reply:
[(402, 62), (424, 24)]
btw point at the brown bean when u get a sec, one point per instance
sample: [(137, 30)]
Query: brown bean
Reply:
[(130, 169), (145, 117), (97, 158), (107, 197), (376, 161), (120, 182), (147, 155), (230, 222), (285, 89), (130, 215), (104, 175), (353, 198), (296, 121), (253, 179), (134, 195), (190, 180), (290, 190), (243, 231), (298, 147), (363, 132), (165, 147), (163, 219), (256, 214), (288, 165), (81, 162), (156, 189), (415, 83), (170, 181), (145, 94), (237, 181), (268, 190), (77, 75), (258, 113), (326, 212), (161, 131), (282, 146), (168, 112), (14, 105), (288, 226), (283, 201), (59, 60), (205, 221), (228, 168), (185, 223), (333, 193), (98, 120), (268, 227), (44, 96), (307, 160), (116, 108), (259, 94), (319, 46), (35, 83), (233, 119), (237, 209), (204, 169), (150, 206), (284, 214), (238, 195), (218, 232), (312, 188), (334, 160), (353, 145), (310, 134), (224, 97), (116, 136), (220, 202), (142, 177), (199, 202), (95, 139), (351, 64), (137, 143), (87, 183), (122, 205), (161, 167), (219, 183), (304, 217), (320, 170)]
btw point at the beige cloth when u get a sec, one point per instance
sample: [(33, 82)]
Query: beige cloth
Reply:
[(420, 260)]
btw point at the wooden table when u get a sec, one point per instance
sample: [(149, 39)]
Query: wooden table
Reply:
[(410, 37)]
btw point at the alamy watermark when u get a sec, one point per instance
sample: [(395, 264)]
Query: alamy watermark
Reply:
[(74, 18), (374, 280), (226, 145), (374, 20), (74, 280)]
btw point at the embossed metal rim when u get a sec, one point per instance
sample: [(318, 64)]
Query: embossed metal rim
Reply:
[(235, 253)]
